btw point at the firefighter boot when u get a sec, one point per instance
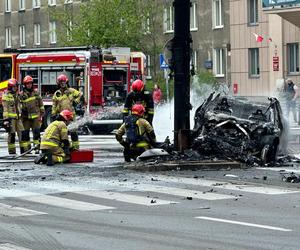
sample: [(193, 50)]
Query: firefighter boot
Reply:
[(49, 159), (40, 159), (126, 154)]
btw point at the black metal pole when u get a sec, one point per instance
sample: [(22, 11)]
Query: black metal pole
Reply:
[(181, 63)]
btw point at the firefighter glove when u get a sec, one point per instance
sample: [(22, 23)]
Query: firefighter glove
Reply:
[(7, 125)]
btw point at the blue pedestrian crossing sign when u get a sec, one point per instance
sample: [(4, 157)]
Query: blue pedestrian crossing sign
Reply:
[(162, 62)]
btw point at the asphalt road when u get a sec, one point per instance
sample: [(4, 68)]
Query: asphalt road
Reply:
[(100, 205)]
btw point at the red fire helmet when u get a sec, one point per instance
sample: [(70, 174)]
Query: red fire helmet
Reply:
[(137, 86), (27, 79), (138, 109), (67, 115)]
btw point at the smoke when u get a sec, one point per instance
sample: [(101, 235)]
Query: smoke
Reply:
[(163, 121), (104, 113)]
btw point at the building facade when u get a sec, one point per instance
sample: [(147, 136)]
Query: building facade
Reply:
[(258, 68), (28, 23), (209, 27), (224, 34)]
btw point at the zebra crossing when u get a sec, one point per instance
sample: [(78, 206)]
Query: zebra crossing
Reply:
[(144, 193)]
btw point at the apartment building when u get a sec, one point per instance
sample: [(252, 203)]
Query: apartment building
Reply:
[(209, 27), (258, 68), (28, 24)]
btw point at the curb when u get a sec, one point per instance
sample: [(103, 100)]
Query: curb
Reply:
[(183, 165)]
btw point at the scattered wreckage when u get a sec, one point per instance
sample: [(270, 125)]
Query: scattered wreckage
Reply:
[(238, 129), (231, 128)]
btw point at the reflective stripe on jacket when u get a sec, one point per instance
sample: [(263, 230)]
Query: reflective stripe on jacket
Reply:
[(11, 106), (33, 105), (64, 100), (55, 133)]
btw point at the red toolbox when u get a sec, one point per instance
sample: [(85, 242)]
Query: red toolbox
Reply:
[(81, 156)]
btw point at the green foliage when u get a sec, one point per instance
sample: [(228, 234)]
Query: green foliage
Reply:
[(105, 23), (206, 77), (136, 24)]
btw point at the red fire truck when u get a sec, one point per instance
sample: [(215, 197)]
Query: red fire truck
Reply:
[(102, 75)]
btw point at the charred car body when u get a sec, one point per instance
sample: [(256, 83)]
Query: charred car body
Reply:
[(238, 129)]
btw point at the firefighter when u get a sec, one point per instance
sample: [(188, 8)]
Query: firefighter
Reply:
[(32, 112), (65, 98), (55, 144), (139, 96), (140, 135), (12, 117)]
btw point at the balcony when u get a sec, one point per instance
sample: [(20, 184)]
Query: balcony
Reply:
[(287, 9)]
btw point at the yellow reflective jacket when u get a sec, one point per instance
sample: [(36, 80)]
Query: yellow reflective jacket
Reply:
[(64, 100), (144, 130), (32, 104), (11, 106), (54, 135)]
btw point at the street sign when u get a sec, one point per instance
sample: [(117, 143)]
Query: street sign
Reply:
[(162, 62)]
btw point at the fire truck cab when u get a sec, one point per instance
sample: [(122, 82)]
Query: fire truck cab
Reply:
[(102, 75)]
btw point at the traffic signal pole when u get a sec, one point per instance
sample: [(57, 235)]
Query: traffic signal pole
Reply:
[(181, 64)]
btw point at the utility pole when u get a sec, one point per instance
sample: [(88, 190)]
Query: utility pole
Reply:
[(181, 65)]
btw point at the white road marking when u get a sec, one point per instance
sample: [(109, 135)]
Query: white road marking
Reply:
[(8, 246), (196, 194), (244, 223), (226, 185), (12, 211), (123, 197), (287, 170), (65, 203)]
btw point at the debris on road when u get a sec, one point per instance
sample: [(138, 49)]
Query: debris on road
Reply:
[(293, 178)]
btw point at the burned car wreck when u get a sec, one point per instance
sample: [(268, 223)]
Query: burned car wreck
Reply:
[(236, 129)]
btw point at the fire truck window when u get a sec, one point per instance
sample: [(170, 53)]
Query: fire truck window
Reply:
[(5, 68), (114, 77)]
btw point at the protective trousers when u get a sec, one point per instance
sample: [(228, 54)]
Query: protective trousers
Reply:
[(16, 127), (58, 154), (75, 140), (34, 125)]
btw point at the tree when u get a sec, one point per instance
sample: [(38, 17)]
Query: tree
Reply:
[(113, 23)]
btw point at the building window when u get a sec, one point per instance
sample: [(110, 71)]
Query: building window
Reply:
[(68, 1), (253, 12), (22, 35), (193, 21), (37, 34), (7, 37), (169, 19), (7, 5), (36, 3), (51, 2), (21, 4), (52, 32), (293, 58), (254, 62), (217, 14), (148, 65), (219, 62)]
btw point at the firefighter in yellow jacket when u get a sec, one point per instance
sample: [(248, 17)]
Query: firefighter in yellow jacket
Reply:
[(12, 117), (55, 144), (32, 112), (65, 98), (140, 135)]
